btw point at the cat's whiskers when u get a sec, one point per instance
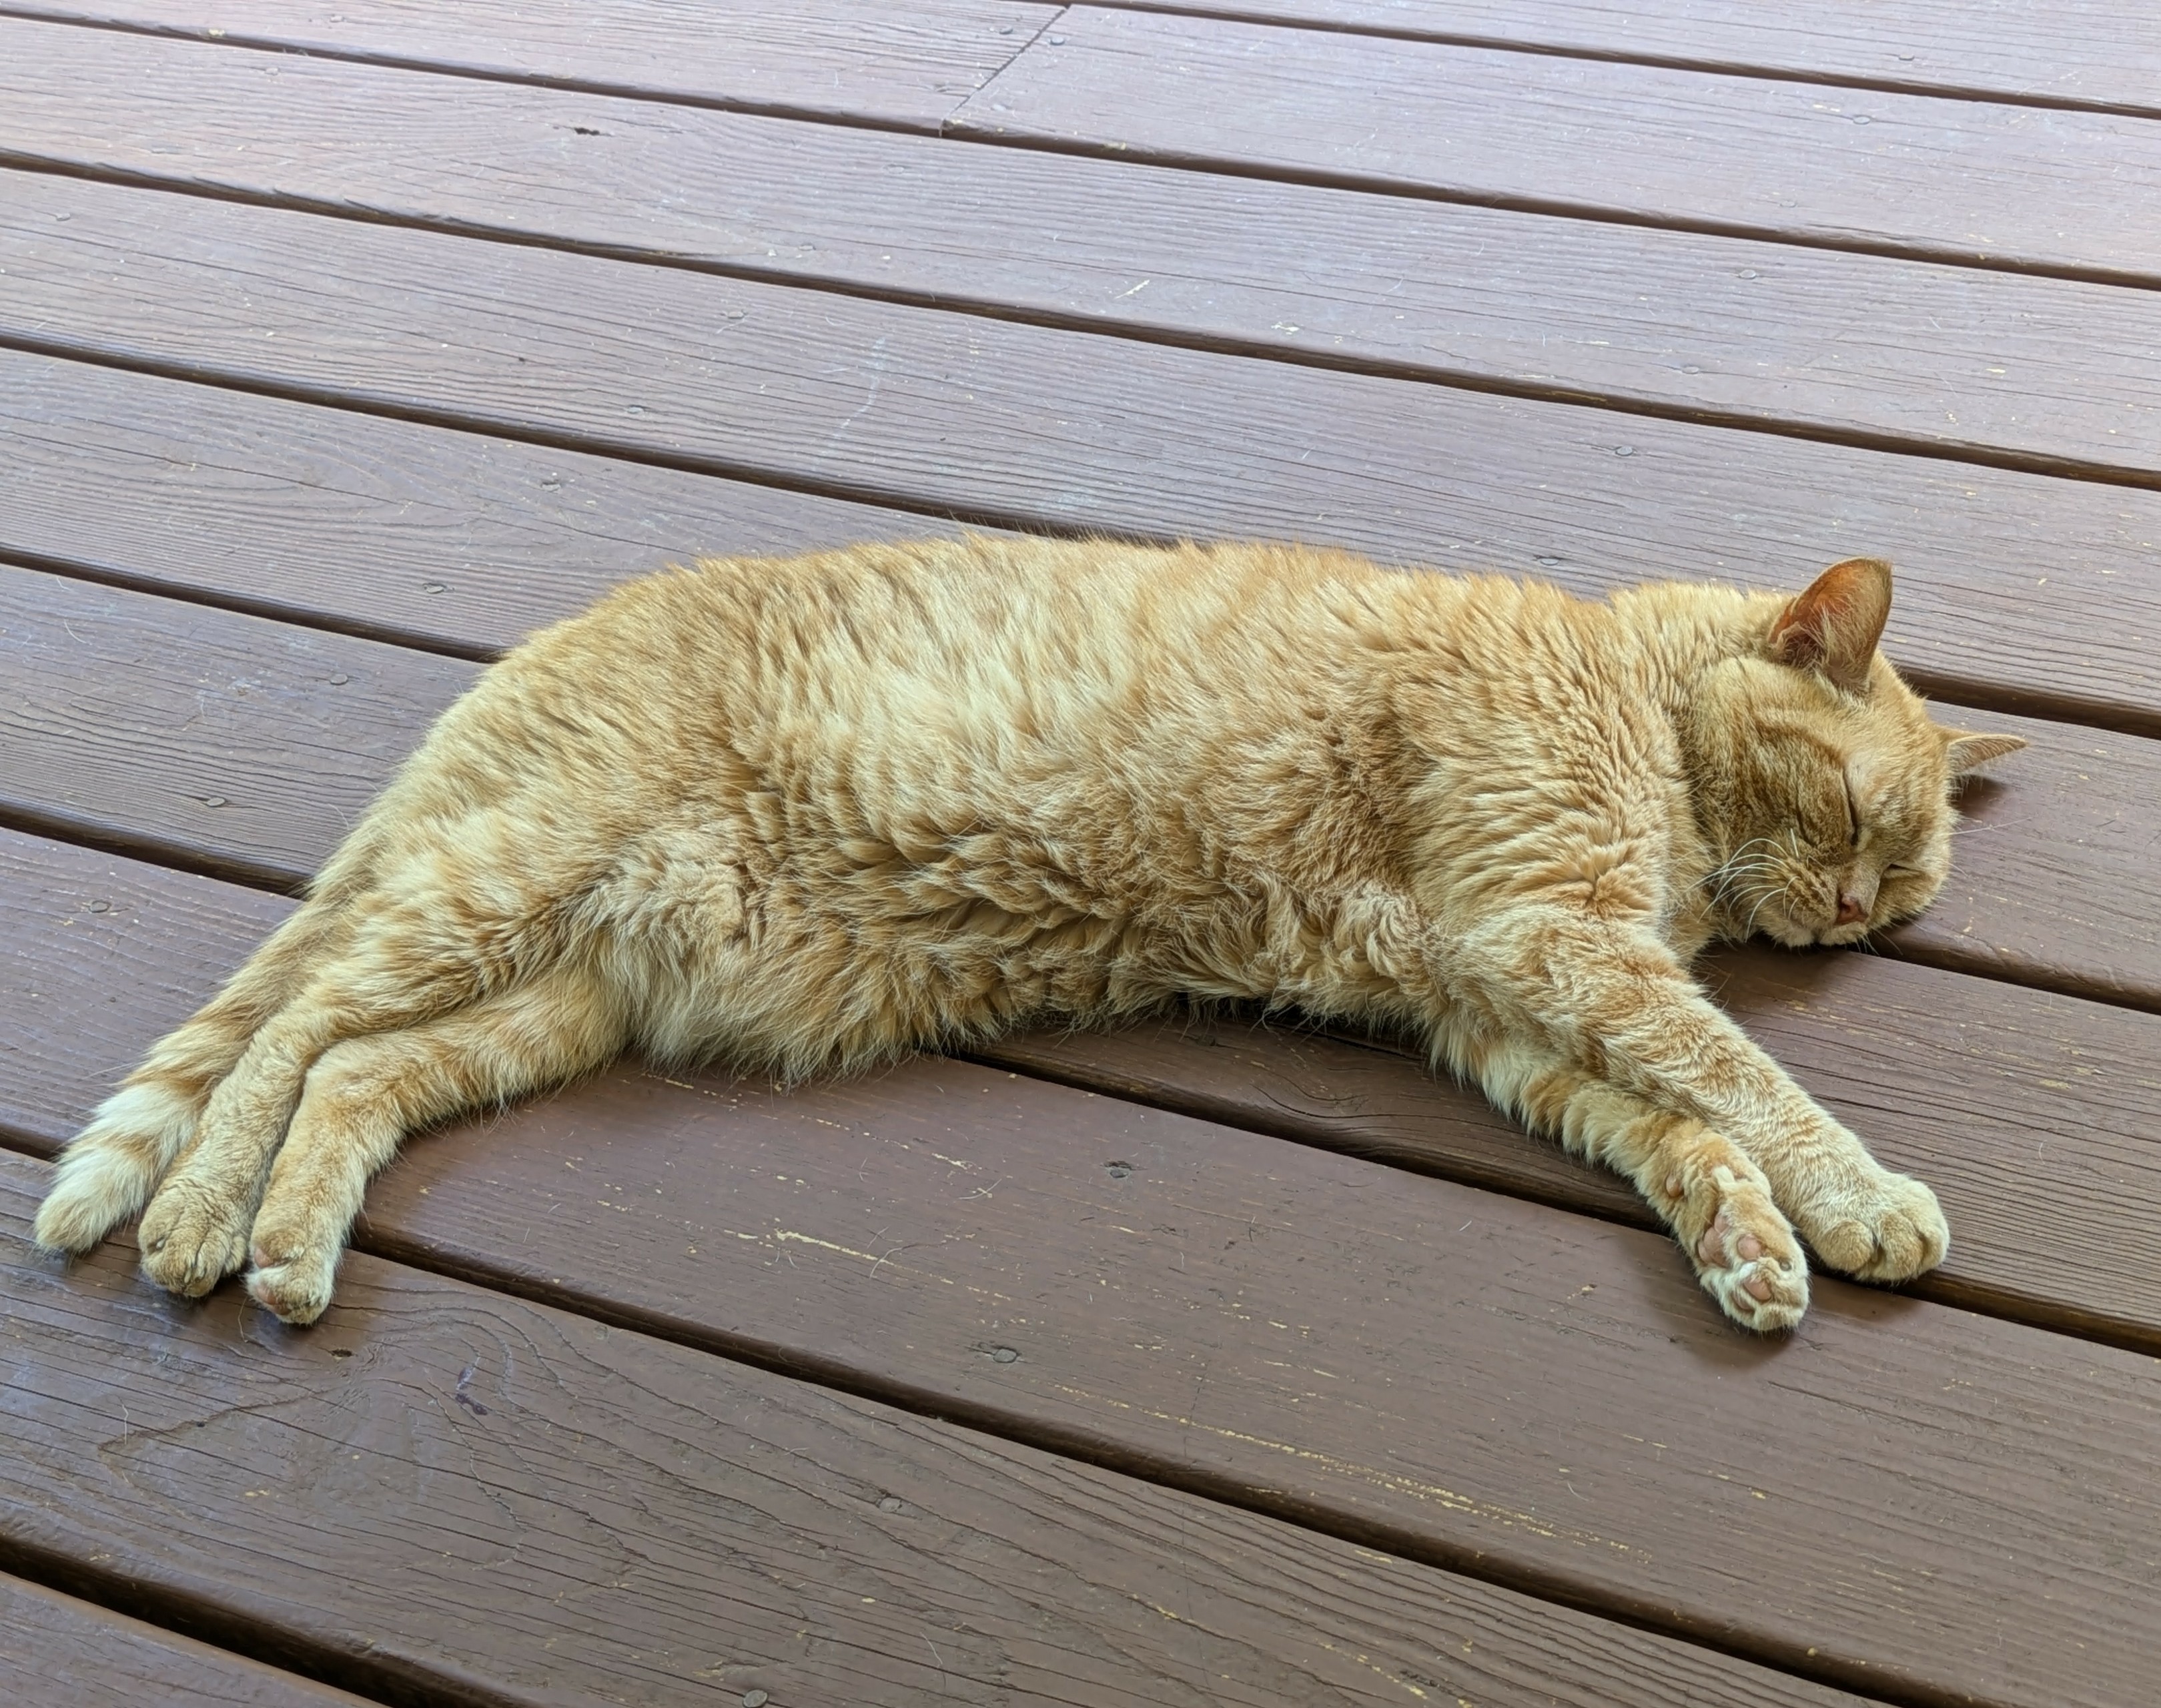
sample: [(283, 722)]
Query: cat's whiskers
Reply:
[(1749, 929), (1782, 860), (1754, 874), (1741, 867)]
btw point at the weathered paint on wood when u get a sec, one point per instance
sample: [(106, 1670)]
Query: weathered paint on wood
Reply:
[(56, 1652), (2018, 591), (906, 63), (2077, 52)]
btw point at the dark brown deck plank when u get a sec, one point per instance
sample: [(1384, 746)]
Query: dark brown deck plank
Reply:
[(247, 747), (450, 541), (56, 1652), (906, 63), (1949, 179), (2018, 591), (2087, 53), (2054, 373), (2033, 1114), (1417, 1366), (152, 724), (450, 1495)]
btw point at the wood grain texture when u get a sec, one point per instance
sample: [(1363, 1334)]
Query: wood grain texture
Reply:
[(453, 542), (2032, 1114), (2050, 373), (101, 956), (56, 1652), (150, 725), (1948, 179), (247, 747), (2029, 592), (450, 1495), (2081, 53), (905, 63)]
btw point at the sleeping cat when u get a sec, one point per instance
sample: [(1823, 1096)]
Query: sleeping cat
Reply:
[(804, 814)]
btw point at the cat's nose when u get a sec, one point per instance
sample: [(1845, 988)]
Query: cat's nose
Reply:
[(1851, 908)]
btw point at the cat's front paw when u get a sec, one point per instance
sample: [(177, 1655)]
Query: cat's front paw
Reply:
[(1877, 1226), (1743, 1249)]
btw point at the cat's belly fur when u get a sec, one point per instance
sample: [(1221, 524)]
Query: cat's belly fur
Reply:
[(746, 953)]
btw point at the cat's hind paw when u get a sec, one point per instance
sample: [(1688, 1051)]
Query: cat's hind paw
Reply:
[(1743, 1249), (294, 1270), (192, 1238)]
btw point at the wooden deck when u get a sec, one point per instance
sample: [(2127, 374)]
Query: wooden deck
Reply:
[(1211, 1364)]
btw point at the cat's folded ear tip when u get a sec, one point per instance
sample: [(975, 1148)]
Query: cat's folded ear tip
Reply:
[(1964, 750)]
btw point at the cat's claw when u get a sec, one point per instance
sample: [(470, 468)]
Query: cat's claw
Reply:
[(1745, 1253), (1880, 1226)]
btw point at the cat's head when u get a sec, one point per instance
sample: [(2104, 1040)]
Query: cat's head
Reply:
[(1829, 784)]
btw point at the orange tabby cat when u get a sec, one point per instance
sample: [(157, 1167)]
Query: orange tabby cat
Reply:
[(801, 814)]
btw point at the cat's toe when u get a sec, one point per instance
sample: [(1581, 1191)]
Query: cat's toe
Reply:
[(1746, 1255), (192, 1239), (1880, 1227)]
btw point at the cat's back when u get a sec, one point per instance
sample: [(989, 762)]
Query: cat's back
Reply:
[(955, 660), (978, 641)]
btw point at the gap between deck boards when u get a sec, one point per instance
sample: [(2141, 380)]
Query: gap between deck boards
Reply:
[(1689, 497), (773, 1501), (1028, 253), (889, 91), (1752, 46), (1842, 225)]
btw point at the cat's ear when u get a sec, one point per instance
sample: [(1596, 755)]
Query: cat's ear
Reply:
[(1963, 751), (1834, 626)]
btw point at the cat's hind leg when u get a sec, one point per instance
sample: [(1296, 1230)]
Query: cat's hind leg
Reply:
[(109, 1170), (470, 920), (1716, 1201), (363, 1095)]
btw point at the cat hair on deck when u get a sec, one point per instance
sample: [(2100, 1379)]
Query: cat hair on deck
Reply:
[(797, 815)]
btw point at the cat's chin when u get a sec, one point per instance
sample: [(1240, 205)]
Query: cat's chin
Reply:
[(1790, 934)]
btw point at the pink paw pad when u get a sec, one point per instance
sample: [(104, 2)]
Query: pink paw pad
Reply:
[(1711, 1249)]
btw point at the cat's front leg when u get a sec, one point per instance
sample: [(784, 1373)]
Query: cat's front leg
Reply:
[(1718, 1203), (1612, 999)]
